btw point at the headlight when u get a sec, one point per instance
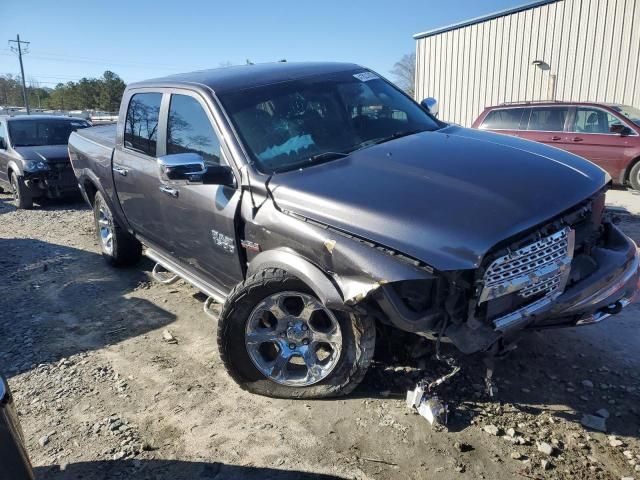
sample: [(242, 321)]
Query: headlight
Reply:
[(34, 166)]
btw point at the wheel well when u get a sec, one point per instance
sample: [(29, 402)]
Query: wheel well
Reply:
[(90, 189), (627, 171)]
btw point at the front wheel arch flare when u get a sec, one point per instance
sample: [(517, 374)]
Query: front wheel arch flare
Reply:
[(307, 272)]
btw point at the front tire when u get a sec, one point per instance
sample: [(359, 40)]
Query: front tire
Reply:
[(119, 247), (21, 193), (276, 339)]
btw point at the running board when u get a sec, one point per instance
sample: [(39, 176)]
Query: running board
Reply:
[(198, 283)]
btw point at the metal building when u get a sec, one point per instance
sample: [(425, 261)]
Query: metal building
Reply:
[(573, 50)]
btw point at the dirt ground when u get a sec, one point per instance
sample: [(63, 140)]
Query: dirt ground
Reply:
[(101, 394)]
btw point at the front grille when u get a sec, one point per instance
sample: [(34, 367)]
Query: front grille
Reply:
[(538, 269), (63, 174)]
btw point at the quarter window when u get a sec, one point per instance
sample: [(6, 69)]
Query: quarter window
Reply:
[(593, 120), (189, 130), (141, 126), (549, 119), (505, 119)]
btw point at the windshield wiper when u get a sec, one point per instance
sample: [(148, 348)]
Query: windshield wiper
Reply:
[(326, 156), (313, 160), (378, 141)]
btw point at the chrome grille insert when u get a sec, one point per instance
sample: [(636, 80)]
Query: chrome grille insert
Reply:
[(542, 267)]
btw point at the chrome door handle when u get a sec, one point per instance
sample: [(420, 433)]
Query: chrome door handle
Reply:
[(121, 170), (577, 139), (172, 192), (556, 138)]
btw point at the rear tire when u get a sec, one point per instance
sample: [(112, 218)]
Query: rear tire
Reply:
[(634, 177), (21, 193), (348, 342), (119, 247)]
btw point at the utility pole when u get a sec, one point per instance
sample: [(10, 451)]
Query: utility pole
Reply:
[(18, 49)]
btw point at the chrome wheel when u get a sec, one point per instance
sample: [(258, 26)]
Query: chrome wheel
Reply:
[(293, 339), (14, 188), (105, 229)]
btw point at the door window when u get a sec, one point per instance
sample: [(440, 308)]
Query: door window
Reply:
[(548, 119), (505, 119), (141, 126), (189, 130), (593, 120)]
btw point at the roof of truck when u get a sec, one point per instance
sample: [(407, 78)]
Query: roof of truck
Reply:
[(16, 118), (242, 77)]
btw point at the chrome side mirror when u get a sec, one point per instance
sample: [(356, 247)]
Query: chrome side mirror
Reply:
[(180, 167), (431, 104)]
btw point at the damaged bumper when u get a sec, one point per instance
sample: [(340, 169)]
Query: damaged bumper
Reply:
[(56, 181), (604, 293)]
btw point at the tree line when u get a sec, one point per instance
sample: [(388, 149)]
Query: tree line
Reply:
[(102, 93)]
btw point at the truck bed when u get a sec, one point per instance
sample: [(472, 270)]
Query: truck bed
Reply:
[(105, 135), (91, 151)]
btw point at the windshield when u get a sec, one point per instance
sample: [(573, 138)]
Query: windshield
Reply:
[(40, 132), (298, 123), (632, 113)]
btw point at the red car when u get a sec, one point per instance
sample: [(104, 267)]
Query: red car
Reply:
[(604, 133)]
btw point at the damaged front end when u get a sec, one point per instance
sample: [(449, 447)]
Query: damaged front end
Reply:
[(49, 179), (576, 269)]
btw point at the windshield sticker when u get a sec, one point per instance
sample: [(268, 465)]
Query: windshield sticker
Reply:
[(293, 144), (78, 124), (366, 76)]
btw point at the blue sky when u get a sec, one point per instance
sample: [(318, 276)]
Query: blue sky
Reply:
[(144, 39)]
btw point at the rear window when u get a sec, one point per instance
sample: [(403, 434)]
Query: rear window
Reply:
[(548, 119), (504, 119), (141, 126)]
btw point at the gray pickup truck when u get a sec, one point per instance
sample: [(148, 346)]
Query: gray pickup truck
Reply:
[(317, 201), (34, 162)]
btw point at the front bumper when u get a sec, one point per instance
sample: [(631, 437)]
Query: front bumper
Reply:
[(604, 293), (59, 180)]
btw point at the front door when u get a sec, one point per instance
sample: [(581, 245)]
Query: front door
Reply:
[(135, 168), (590, 137), (201, 219)]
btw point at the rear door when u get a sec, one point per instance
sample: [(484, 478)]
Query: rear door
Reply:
[(201, 219), (546, 124), (135, 168), (589, 136)]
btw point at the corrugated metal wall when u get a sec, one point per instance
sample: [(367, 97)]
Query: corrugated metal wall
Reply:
[(592, 47)]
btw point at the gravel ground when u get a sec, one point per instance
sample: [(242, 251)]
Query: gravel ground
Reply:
[(102, 394)]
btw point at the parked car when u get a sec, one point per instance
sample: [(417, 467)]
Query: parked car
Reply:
[(605, 133), (14, 460), (34, 161), (316, 199)]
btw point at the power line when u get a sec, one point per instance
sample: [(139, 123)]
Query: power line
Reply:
[(18, 48)]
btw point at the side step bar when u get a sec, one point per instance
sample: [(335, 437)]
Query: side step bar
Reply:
[(203, 286)]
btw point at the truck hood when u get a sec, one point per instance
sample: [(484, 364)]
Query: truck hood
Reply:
[(48, 153), (443, 197)]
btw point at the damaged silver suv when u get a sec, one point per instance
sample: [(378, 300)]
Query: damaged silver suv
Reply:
[(316, 200)]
